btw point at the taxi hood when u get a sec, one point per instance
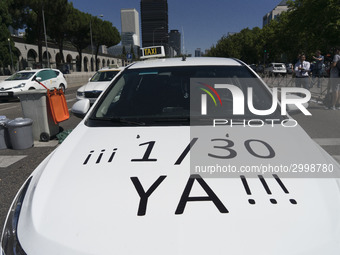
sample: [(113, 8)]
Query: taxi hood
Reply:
[(96, 85), (128, 191)]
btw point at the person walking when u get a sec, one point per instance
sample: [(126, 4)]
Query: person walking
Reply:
[(335, 80), (301, 72), (317, 70)]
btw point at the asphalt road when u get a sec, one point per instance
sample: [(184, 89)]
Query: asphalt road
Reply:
[(17, 165), (322, 126)]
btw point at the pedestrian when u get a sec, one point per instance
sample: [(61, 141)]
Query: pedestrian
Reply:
[(301, 72), (317, 70), (335, 80)]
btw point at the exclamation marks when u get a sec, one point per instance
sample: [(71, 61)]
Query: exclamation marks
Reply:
[(246, 187), (88, 158), (101, 155), (112, 155), (285, 190), (266, 187)]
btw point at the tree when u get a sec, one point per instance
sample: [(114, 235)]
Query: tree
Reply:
[(58, 20), (5, 21), (35, 25), (307, 26), (104, 33), (78, 31)]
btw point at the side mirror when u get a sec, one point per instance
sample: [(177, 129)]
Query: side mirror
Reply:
[(90, 79), (80, 108), (38, 78)]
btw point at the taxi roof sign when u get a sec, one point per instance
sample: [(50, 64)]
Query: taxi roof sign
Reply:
[(152, 52)]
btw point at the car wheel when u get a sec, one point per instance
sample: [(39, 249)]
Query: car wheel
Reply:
[(62, 87), (31, 88), (44, 137)]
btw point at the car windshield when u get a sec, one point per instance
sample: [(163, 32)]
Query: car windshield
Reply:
[(104, 76), (20, 76), (151, 96)]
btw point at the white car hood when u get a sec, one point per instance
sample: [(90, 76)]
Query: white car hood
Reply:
[(88, 205), (11, 84), (100, 86)]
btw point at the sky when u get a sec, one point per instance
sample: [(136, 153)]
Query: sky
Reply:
[(203, 22)]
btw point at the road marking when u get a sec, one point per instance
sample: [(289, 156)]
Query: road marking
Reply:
[(6, 161), (71, 100), (3, 109), (327, 141), (51, 143)]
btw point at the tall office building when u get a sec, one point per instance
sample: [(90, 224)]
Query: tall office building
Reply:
[(198, 52), (175, 41), (154, 22), (130, 27)]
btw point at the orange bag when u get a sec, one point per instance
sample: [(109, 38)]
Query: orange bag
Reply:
[(57, 103)]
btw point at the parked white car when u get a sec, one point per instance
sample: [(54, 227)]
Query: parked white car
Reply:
[(132, 177), (97, 84), (27, 80), (276, 68)]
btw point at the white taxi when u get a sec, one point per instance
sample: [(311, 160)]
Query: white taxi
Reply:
[(26, 80), (97, 84), (125, 180)]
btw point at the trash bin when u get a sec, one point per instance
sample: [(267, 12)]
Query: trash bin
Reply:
[(34, 106), (20, 133), (4, 138)]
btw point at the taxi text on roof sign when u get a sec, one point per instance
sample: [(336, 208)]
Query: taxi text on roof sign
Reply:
[(152, 52)]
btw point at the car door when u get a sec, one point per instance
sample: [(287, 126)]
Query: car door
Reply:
[(48, 78)]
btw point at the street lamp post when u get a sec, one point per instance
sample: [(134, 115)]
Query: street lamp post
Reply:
[(101, 15), (10, 52), (48, 57), (153, 35)]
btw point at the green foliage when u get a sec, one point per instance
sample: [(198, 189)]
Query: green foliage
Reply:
[(104, 33), (57, 20), (309, 25), (5, 21)]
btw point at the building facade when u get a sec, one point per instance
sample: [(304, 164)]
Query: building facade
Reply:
[(198, 52), (27, 54), (130, 27), (275, 13), (154, 16), (175, 41)]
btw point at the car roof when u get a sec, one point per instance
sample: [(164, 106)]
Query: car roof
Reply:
[(37, 70), (171, 62)]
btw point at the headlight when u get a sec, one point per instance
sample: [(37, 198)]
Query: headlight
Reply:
[(21, 85), (80, 94), (9, 240)]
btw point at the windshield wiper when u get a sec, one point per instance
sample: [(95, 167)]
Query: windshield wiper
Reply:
[(121, 121), (127, 121), (172, 119)]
